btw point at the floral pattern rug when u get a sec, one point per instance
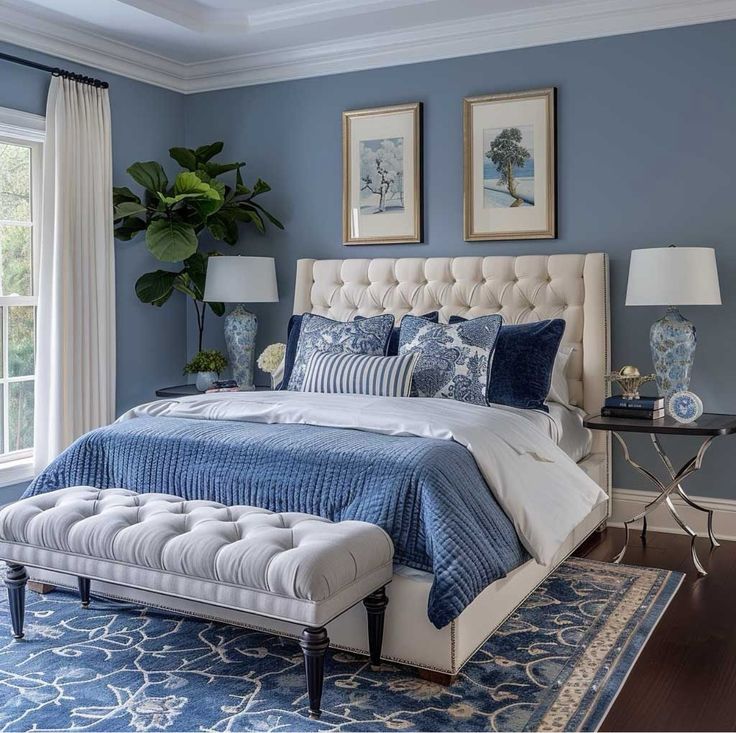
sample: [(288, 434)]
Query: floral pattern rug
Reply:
[(556, 664)]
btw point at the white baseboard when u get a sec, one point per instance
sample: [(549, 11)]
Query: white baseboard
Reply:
[(629, 502)]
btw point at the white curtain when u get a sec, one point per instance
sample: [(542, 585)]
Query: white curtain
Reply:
[(75, 354)]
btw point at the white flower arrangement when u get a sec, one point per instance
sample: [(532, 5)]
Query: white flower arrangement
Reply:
[(271, 358)]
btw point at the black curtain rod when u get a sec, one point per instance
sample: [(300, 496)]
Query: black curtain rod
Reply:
[(56, 71)]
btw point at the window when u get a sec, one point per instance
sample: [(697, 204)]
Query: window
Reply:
[(20, 168)]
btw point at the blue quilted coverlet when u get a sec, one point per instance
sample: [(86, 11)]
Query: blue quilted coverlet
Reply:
[(428, 494)]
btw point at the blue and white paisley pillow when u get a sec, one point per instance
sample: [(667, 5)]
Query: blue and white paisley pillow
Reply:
[(453, 359), (319, 334)]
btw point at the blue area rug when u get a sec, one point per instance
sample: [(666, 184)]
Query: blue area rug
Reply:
[(555, 664)]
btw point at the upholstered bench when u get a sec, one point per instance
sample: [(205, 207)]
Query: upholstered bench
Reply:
[(298, 568)]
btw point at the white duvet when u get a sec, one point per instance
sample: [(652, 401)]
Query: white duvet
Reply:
[(539, 487)]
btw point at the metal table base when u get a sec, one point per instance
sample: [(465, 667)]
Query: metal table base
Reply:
[(665, 489)]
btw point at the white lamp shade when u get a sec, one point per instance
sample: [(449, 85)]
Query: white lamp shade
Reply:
[(241, 280), (673, 276)]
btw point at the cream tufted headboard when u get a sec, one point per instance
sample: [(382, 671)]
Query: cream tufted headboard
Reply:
[(521, 289)]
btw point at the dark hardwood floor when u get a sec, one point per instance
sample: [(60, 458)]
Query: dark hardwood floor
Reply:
[(685, 678)]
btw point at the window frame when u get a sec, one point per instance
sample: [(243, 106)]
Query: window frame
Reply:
[(21, 128)]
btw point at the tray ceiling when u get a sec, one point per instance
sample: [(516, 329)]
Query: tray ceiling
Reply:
[(198, 45)]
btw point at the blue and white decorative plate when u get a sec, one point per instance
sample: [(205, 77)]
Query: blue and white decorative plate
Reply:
[(685, 407)]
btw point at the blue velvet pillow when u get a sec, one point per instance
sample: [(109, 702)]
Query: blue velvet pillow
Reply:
[(292, 341), (522, 365), (393, 342)]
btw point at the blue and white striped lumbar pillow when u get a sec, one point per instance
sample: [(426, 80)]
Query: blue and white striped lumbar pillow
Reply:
[(383, 376)]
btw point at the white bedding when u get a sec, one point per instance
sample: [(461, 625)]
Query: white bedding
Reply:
[(564, 425), (538, 486)]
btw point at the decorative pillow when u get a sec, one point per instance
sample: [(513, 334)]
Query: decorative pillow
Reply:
[(559, 390), (453, 359), (383, 376), (292, 342), (317, 333), (523, 363), (393, 344)]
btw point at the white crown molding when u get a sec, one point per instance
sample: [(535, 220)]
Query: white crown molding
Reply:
[(185, 13), (311, 11), (22, 125), (498, 32), (543, 25), (83, 47), (196, 16)]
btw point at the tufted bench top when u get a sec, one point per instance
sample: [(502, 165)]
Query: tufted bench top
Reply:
[(288, 565)]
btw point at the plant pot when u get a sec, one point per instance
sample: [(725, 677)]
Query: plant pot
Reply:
[(205, 380)]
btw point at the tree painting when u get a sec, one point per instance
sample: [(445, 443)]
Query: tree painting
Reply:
[(382, 175), (509, 153)]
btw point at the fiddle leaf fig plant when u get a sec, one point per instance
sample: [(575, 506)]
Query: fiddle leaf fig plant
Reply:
[(174, 216)]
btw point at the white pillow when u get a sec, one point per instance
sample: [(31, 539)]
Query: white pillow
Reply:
[(559, 391)]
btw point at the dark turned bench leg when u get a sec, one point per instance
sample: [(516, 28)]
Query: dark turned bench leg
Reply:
[(84, 584), (15, 580), (314, 643), (375, 604)]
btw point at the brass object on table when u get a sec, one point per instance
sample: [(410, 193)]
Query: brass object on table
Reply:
[(630, 380)]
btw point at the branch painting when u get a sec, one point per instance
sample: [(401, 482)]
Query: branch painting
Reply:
[(382, 176), (508, 167)]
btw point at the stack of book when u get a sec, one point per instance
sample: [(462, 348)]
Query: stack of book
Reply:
[(643, 408), (225, 385)]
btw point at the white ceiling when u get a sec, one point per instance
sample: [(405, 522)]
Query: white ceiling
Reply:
[(196, 45)]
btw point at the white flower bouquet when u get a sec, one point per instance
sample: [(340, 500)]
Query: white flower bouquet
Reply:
[(271, 361)]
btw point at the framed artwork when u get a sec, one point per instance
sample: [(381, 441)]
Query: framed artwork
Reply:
[(510, 167), (382, 176)]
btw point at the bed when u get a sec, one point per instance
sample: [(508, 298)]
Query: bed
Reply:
[(572, 287)]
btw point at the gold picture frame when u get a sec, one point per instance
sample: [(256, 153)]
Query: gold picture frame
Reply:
[(510, 174), (382, 175)]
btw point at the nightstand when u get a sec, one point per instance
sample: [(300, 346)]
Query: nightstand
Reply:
[(184, 390), (709, 426)]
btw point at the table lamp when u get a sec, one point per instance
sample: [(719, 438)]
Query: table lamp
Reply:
[(241, 280), (673, 276)]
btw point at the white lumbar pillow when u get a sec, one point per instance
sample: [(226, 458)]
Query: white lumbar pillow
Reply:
[(559, 391)]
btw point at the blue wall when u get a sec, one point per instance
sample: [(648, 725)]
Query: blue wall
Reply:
[(146, 121), (646, 158)]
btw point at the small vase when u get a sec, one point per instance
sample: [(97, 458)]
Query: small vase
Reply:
[(205, 380), (277, 376)]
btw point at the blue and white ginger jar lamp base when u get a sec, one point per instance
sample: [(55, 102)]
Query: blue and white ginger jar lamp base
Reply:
[(672, 341), (241, 327)]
